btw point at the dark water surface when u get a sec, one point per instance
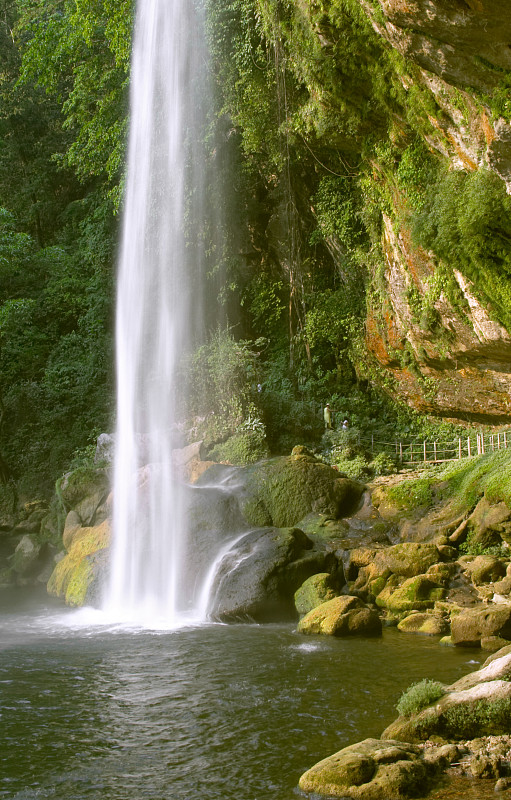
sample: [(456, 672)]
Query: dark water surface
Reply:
[(209, 713)]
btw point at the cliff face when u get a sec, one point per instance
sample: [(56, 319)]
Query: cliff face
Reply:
[(457, 364), (457, 367), (463, 45)]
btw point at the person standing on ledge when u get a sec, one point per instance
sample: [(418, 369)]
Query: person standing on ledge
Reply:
[(327, 416)]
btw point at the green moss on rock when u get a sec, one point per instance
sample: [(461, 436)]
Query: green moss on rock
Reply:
[(74, 574), (284, 490), (416, 593), (313, 592)]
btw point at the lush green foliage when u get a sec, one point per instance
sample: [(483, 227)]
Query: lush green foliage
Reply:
[(62, 68), (316, 138)]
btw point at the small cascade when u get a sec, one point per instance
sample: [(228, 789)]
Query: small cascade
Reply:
[(158, 304)]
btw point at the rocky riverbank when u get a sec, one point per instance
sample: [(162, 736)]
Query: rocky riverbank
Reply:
[(426, 552)]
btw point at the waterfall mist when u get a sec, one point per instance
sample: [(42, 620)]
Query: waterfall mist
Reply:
[(158, 312)]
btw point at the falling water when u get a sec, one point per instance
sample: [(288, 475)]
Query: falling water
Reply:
[(157, 302)]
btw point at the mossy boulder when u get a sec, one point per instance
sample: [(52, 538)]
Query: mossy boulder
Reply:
[(485, 569), (418, 593), (489, 523), (374, 566), (314, 591), (408, 558), (282, 491), (75, 575), (27, 556), (341, 616), (370, 770), (424, 624)]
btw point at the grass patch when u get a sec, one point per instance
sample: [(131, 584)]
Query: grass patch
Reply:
[(490, 475)]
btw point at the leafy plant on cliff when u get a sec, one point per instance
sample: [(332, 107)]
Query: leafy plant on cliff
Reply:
[(466, 221)]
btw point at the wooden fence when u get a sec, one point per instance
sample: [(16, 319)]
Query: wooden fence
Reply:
[(416, 453)]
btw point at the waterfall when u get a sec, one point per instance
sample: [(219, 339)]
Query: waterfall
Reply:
[(158, 300)]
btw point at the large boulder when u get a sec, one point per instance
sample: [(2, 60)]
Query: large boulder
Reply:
[(281, 491), (370, 770), (84, 490), (423, 623), (373, 567), (342, 616), (418, 593), (257, 578), (485, 569), (474, 624)]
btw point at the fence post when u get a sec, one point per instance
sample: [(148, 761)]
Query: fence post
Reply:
[(401, 452), (468, 445), (505, 440), (425, 459), (411, 452), (482, 443), (372, 442), (434, 450), (459, 448)]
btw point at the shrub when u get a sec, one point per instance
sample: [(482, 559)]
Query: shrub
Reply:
[(418, 696), (483, 717), (383, 464), (356, 468), (245, 447)]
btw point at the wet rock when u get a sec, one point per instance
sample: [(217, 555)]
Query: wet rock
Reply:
[(478, 704), (282, 491), (257, 578), (342, 616), (483, 766), (27, 556), (83, 483), (72, 526), (105, 448), (492, 643)]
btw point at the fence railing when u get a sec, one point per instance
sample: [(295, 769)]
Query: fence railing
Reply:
[(436, 452)]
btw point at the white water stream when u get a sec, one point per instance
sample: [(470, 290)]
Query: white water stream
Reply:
[(157, 303)]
